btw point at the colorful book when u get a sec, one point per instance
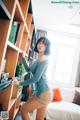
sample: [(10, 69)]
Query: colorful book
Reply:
[(14, 32)]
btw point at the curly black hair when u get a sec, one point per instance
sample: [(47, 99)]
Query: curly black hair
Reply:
[(46, 42)]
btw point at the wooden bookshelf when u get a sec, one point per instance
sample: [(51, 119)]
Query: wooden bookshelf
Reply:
[(18, 13), (5, 95), (4, 8), (29, 20), (14, 11), (12, 46), (24, 7), (31, 30), (11, 61), (4, 24), (24, 40), (9, 5)]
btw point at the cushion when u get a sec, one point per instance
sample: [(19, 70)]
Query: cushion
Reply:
[(76, 98), (57, 95)]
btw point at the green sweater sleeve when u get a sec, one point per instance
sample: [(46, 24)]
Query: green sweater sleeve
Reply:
[(25, 65), (40, 69)]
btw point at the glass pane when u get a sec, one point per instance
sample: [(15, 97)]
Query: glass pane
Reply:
[(51, 61), (62, 39), (63, 68), (63, 78), (62, 55), (65, 55)]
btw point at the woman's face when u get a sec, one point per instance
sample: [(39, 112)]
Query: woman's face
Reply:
[(41, 47)]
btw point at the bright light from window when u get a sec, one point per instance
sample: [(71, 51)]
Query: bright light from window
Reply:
[(61, 58)]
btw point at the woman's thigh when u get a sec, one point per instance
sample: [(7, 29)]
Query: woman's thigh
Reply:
[(31, 105), (40, 113)]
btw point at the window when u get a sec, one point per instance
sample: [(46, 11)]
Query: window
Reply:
[(63, 49)]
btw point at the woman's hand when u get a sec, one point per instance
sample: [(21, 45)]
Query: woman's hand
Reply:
[(15, 81)]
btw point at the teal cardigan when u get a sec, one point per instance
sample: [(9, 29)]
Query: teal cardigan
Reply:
[(39, 76)]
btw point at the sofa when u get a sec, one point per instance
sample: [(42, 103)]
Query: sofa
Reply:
[(64, 109)]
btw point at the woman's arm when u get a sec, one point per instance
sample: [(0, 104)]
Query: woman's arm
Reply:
[(40, 69), (25, 65), (29, 68)]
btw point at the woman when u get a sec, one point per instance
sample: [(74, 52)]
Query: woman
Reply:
[(43, 94)]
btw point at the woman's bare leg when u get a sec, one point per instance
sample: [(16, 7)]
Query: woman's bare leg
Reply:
[(29, 106), (40, 114)]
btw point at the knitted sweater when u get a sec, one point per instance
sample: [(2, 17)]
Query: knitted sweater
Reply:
[(39, 76)]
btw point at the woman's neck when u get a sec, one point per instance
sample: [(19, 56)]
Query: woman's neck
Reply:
[(42, 57)]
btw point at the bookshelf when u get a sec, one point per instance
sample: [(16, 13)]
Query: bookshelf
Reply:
[(11, 12)]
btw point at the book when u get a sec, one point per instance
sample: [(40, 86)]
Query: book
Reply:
[(14, 32)]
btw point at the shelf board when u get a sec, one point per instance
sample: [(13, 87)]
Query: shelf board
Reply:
[(26, 55), (20, 51), (24, 7), (19, 93), (31, 30), (24, 41), (17, 104), (18, 13), (30, 49), (5, 10), (29, 20), (26, 29), (11, 103), (15, 112), (12, 46)]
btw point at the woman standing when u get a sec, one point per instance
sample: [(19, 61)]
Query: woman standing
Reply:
[(43, 94)]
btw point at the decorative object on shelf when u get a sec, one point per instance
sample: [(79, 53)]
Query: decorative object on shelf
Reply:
[(4, 81), (4, 76), (19, 70), (5, 84), (14, 32)]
